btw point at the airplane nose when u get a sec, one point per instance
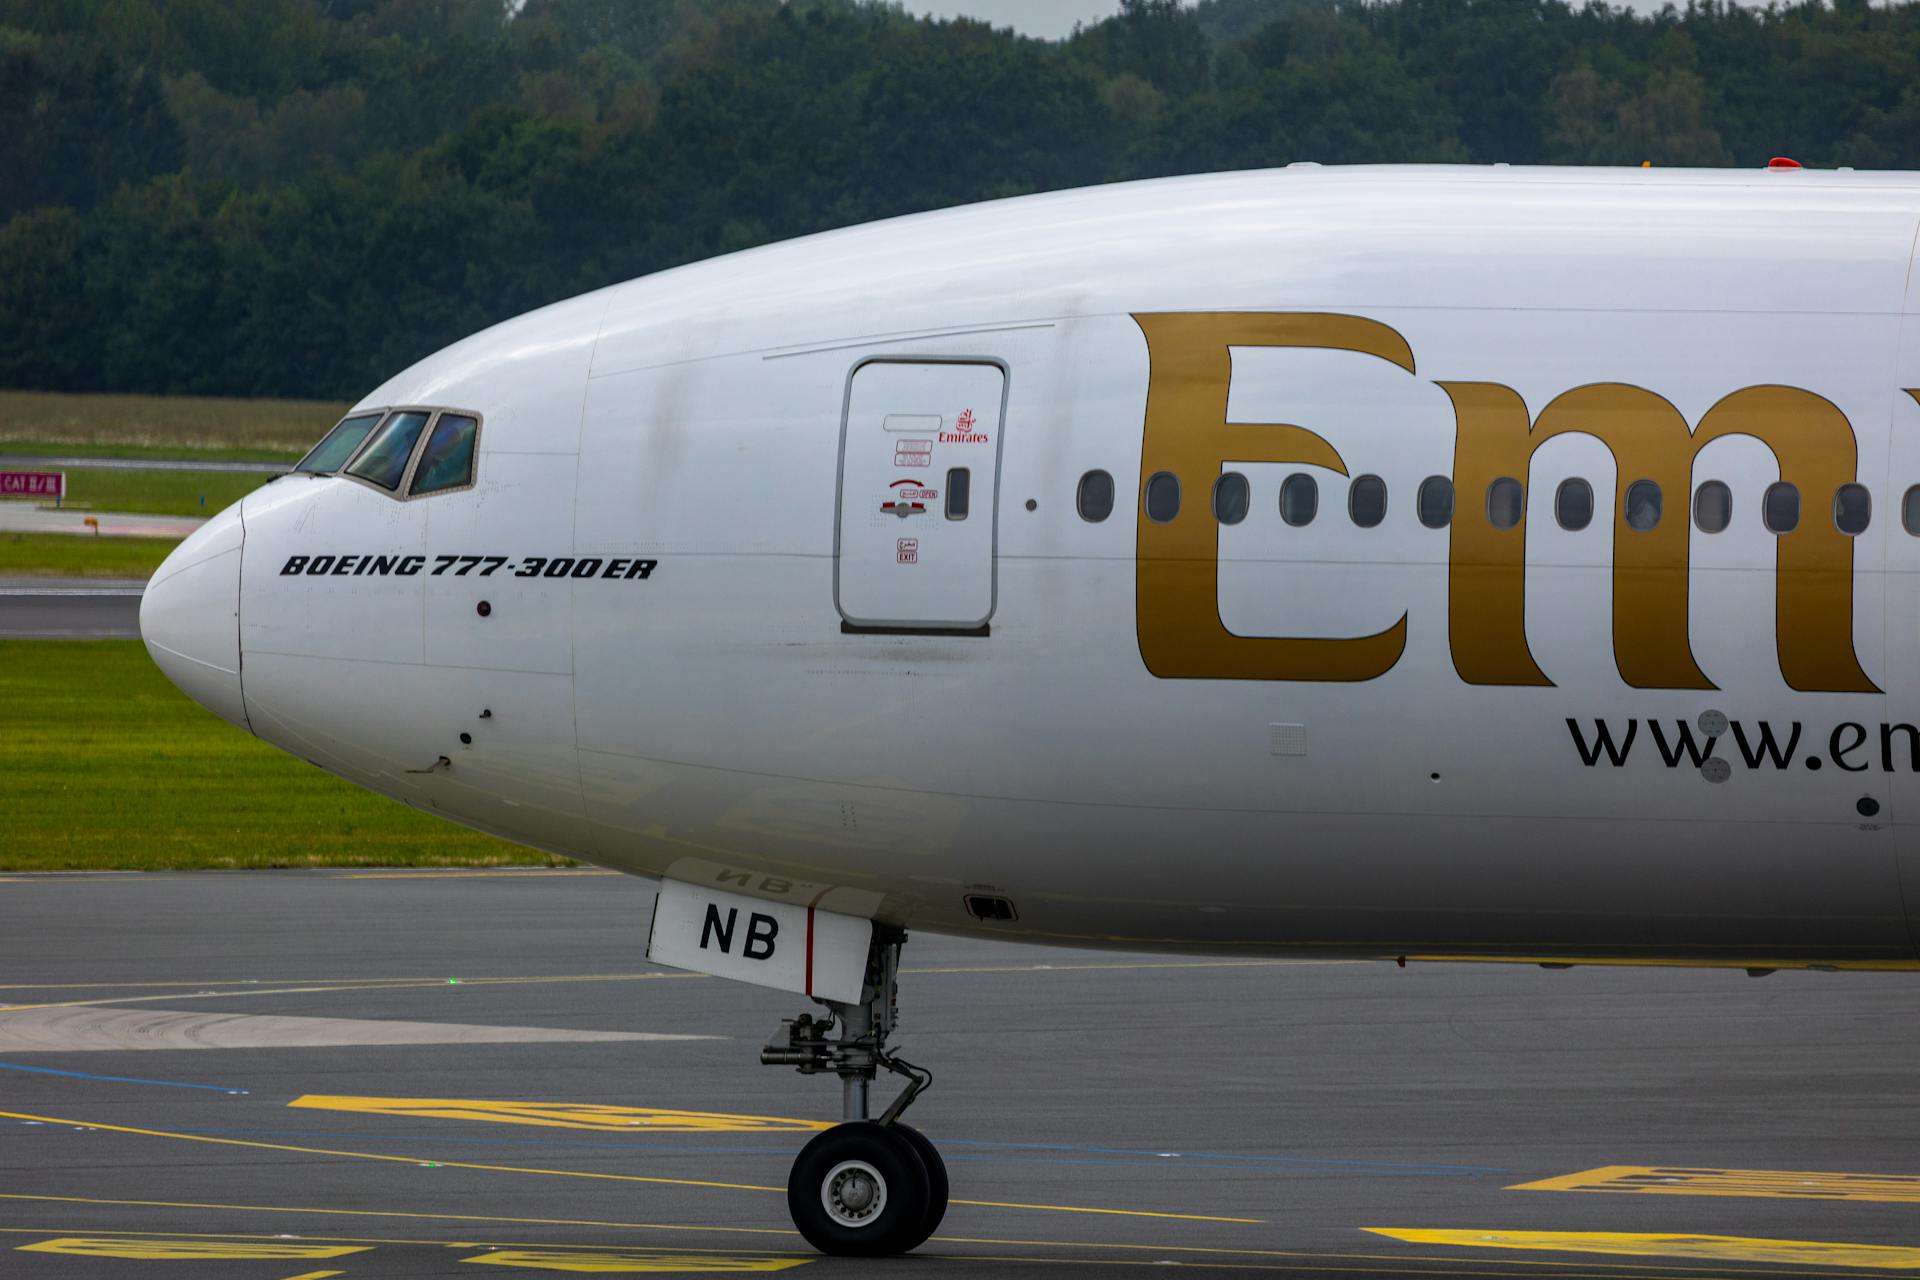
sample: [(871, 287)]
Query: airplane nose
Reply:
[(190, 616)]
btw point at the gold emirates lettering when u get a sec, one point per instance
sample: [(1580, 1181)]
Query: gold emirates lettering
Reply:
[(1182, 636)]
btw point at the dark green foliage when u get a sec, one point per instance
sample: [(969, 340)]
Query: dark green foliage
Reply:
[(76, 122), (300, 197)]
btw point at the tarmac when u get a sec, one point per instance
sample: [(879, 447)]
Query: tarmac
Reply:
[(17, 517), (342, 1073), (33, 608)]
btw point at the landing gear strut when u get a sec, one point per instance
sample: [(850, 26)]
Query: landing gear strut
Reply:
[(864, 1187)]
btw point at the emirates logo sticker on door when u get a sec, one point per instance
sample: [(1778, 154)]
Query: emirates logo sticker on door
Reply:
[(963, 431)]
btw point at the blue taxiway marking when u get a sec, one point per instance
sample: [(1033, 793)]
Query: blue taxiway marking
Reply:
[(84, 1075)]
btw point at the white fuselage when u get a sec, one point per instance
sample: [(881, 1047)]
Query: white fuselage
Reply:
[(1335, 736)]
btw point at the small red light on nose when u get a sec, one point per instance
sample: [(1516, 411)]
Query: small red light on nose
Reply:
[(1784, 162)]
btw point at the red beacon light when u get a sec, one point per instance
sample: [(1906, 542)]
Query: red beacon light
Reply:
[(1784, 162)]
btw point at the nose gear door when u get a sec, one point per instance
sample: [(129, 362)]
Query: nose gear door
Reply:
[(919, 480)]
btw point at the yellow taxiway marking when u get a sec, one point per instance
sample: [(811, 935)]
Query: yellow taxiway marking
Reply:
[(477, 1218), (316, 1275), (190, 1250), (632, 1263), (1191, 1255), (1892, 1188), (563, 1115), (581, 1173), (418, 1161), (1809, 1253)]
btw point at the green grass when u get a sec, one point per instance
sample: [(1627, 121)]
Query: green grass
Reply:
[(165, 423), (45, 424), (56, 449), (166, 493), (105, 765), (80, 556)]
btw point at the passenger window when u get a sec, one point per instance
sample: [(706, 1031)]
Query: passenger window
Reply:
[(1643, 505), (333, 451), (384, 460), (447, 461), (1163, 497), (1573, 504), (1230, 498), (959, 492), (1435, 502), (1910, 511), (1506, 502), (1712, 507), (1299, 499), (1852, 509), (1095, 496), (1781, 508), (1367, 501)]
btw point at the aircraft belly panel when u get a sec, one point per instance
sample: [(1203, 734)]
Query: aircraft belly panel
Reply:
[(1119, 875)]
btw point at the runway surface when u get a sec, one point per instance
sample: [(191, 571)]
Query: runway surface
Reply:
[(70, 608), (17, 517), (474, 1073)]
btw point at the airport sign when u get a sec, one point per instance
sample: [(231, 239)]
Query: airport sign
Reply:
[(33, 484)]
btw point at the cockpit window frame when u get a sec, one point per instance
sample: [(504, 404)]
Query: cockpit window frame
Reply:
[(404, 492), (420, 455), (378, 415)]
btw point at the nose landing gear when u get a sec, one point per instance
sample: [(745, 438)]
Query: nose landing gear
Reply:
[(863, 1188)]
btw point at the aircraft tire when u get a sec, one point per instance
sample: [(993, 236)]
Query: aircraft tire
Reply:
[(936, 1184), (859, 1190)]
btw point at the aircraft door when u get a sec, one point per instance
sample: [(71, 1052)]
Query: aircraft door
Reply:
[(919, 481)]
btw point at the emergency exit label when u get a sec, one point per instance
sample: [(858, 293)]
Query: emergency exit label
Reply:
[(770, 944)]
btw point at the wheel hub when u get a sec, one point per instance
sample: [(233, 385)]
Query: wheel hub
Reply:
[(853, 1193)]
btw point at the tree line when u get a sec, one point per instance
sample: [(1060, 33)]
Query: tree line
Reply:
[(300, 197)]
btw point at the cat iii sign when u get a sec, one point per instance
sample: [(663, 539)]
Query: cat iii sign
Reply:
[(33, 484)]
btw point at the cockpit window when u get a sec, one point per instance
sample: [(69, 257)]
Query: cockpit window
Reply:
[(332, 453), (384, 460), (447, 460)]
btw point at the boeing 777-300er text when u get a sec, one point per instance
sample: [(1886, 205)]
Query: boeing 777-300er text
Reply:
[(1515, 564)]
